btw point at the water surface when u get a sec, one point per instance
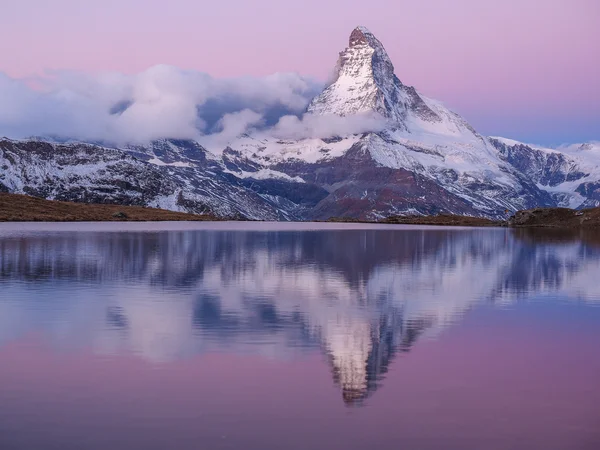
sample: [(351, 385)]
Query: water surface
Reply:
[(297, 336)]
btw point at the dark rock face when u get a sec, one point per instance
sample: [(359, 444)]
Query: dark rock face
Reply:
[(170, 151), (550, 169), (541, 167), (235, 162), (417, 105), (357, 37), (302, 194), (80, 173), (361, 189), (591, 190)]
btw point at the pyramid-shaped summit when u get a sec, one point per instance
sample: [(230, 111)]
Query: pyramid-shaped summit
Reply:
[(381, 65), (364, 83)]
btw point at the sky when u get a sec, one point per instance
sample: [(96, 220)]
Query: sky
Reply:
[(524, 69)]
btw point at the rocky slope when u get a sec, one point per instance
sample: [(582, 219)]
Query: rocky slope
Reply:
[(570, 174), (173, 175), (380, 149)]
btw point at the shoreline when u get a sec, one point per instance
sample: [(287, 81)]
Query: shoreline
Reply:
[(24, 208), (15, 208)]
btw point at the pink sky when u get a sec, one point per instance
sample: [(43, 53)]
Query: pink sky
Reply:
[(526, 67)]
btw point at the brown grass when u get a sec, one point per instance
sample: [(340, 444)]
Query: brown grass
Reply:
[(557, 218), (23, 208), (443, 220)]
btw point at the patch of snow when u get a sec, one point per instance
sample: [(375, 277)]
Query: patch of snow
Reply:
[(158, 162), (268, 150), (265, 174)]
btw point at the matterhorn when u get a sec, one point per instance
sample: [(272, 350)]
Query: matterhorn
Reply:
[(382, 149)]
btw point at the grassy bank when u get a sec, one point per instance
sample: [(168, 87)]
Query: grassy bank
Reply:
[(23, 208)]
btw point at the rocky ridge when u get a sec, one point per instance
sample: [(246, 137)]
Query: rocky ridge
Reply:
[(416, 158)]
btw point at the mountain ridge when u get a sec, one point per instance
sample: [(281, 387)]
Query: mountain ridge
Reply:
[(368, 147)]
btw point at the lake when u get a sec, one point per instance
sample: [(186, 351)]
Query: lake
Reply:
[(297, 336)]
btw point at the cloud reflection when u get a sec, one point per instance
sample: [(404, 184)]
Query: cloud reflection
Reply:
[(359, 296)]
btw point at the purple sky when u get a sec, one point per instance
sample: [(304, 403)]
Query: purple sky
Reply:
[(527, 69)]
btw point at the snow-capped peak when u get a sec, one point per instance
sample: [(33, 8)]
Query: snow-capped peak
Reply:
[(364, 82), (361, 80), (381, 65)]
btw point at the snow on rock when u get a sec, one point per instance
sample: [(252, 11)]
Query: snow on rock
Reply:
[(571, 174), (367, 147), (365, 82)]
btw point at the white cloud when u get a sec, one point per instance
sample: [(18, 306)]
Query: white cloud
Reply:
[(324, 126), (231, 126), (166, 102), (162, 101)]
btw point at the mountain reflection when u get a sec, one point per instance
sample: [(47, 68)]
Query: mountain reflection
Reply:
[(360, 296)]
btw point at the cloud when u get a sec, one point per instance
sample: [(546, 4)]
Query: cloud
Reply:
[(572, 148), (231, 126), (325, 126), (162, 101), (167, 102)]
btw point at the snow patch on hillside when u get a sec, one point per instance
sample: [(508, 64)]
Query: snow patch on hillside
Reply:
[(158, 162)]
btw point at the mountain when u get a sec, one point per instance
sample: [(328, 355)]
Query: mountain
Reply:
[(365, 82), (570, 174), (167, 174), (367, 147)]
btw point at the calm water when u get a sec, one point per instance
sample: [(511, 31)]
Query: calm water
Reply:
[(287, 336)]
